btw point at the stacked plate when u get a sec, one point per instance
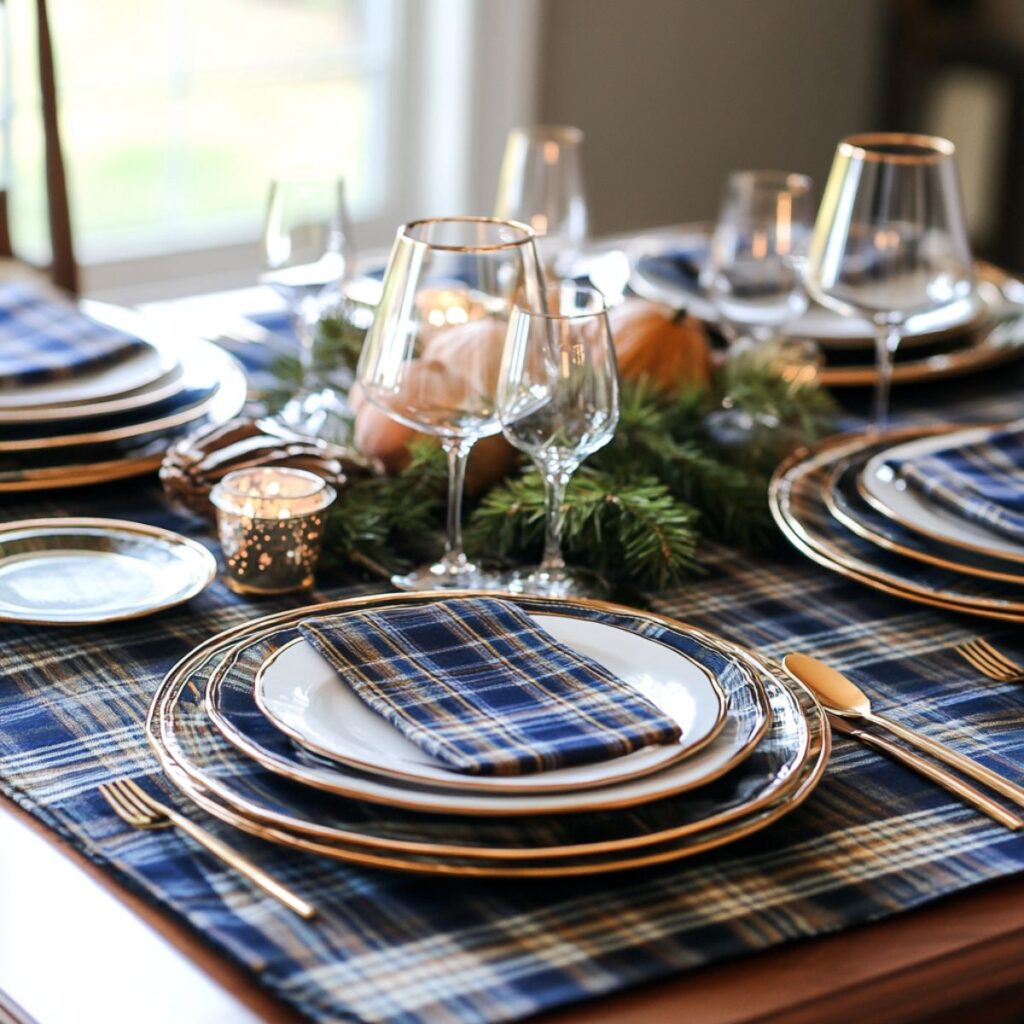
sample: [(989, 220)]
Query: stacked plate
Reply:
[(115, 421), (966, 337), (842, 504), (258, 730)]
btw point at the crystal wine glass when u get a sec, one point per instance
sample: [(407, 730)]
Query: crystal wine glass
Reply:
[(430, 359), (307, 250), (753, 275), (890, 239), (558, 400), (757, 252), (541, 184)]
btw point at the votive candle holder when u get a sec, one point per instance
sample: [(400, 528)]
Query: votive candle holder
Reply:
[(270, 521)]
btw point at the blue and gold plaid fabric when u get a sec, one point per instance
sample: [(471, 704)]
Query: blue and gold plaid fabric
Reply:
[(43, 338), (872, 841), (983, 482), (477, 684)]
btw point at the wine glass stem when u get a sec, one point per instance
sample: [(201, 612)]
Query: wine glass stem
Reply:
[(887, 341), (305, 332), (556, 479), (458, 454)]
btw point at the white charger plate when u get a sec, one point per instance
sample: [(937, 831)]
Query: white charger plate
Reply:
[(889, 494), (305, 697)]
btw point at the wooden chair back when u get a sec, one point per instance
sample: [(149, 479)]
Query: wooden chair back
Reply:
[(63, 269)]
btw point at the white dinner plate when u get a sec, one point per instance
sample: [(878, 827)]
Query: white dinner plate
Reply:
[(890, 495), (301, 693), (83, 571)]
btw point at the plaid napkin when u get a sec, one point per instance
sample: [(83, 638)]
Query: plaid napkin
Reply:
[(983, 482), (476, 683), (44, 339)]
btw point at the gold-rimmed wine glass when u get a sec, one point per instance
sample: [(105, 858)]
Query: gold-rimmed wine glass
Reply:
[(890, 240), (431, 357)]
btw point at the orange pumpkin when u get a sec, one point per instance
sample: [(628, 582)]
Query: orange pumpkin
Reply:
[(668, 348), (379, 436)]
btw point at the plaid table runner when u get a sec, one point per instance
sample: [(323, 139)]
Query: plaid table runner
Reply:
[(983, 482), (43, 338), (479, 685), (872, 841)]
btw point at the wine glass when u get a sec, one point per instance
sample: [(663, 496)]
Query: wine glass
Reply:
[(890, 240), (558, 401), (430, 359), (753, 275), (541, 184), (307, 252)]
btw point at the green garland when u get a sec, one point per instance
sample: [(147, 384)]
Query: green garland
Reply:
[(634, 513)]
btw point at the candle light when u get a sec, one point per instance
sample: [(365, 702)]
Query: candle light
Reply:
[(271, 521), (448, 306)]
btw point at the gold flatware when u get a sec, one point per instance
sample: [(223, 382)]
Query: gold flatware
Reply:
[(937, 774), (842, 697), (134, 805), (990, 662)]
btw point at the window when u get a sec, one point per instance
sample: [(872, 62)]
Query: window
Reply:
[(175, 114)]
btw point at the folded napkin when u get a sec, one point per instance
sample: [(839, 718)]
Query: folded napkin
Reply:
[(982, 482), (43, 338), (477, 684), (681, 267)]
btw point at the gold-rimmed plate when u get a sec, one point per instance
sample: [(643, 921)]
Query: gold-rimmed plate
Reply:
[(65, 572), (845, 501), (797, 500), (307, 699), (807, 777), (881, 487), (211, 372), (711, 748), (185, 742)]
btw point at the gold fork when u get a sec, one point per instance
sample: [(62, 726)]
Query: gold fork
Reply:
[(990, 662), (135, 806)]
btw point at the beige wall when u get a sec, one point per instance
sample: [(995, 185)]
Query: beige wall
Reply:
[(672, 94)]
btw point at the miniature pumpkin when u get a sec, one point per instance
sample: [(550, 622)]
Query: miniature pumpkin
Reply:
[(669, 348)]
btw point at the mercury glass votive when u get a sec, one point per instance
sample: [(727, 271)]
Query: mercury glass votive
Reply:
[(271, 524)]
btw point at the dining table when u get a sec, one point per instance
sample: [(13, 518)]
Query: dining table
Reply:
[(881, 898)]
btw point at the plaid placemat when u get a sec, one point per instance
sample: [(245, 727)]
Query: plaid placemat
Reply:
[(43, 338), (872, 841), (983, 481), (477, 684)]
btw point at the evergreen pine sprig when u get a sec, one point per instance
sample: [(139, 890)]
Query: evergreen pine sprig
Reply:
[(617, 528), (634, 513)]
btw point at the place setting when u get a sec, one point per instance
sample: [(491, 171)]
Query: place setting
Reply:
[(698, 742), (699, 268), (91, 392)]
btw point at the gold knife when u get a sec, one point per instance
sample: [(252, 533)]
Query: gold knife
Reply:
[(936, 773)]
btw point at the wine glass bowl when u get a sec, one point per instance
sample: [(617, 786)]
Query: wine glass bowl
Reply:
[(307, 254), (558, 402), (432, 355), (541, 184), (890, 239), (753, 273)]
